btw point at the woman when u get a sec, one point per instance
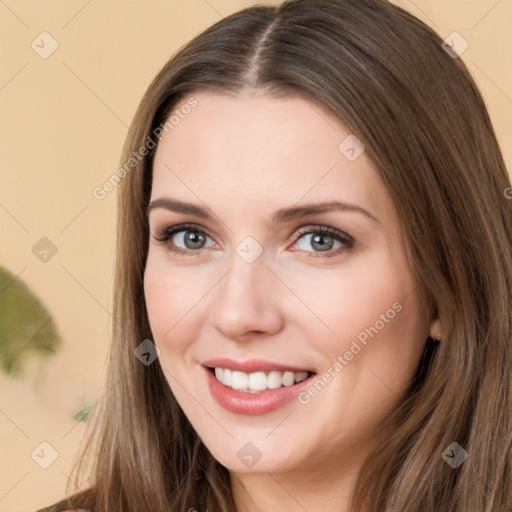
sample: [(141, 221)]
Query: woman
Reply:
[(314, 275)]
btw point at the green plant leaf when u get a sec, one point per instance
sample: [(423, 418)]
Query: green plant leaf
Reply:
[(26, 326), (83, 414)]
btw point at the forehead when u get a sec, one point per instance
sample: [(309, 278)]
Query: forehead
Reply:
[(255, 147)]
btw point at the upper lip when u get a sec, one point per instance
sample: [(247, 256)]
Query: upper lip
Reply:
[(253, 365)]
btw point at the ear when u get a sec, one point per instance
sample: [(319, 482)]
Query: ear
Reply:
[(436, 332)]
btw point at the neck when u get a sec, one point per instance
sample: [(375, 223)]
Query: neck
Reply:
[(312, 489)]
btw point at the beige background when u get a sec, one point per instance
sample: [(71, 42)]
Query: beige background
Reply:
[(63, 121)]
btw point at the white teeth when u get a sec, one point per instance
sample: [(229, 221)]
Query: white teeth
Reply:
[(274, 380), (288, 378), (299, 377), (239, 380), (258, 381)]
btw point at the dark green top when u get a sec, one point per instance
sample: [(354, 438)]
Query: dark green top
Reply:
[(57, 507), (53, 508)]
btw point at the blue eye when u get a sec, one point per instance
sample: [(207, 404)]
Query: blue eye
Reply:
[(323, 239), (186, 239), (318, 241), (191, 239)]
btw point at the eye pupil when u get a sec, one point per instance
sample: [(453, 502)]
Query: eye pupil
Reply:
[(318, 241), (196, 239)]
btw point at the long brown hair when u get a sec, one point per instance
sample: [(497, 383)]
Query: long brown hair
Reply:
[(424, 124)]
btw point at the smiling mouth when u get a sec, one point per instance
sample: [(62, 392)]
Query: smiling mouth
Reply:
[(258, 382)]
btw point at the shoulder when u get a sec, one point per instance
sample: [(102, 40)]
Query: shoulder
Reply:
[(58, 508), (80, 502)]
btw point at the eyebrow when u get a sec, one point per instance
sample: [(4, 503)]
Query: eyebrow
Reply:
[(280, 216)]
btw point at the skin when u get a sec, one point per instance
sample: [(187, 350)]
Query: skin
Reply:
[(243, 158)]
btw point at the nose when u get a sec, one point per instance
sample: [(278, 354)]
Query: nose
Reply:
[(246, 302)]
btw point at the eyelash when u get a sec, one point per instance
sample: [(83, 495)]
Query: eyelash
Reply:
[(166, 234)]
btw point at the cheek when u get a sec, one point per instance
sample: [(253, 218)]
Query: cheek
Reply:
[(350, 298), (172, 297), (369, 311)]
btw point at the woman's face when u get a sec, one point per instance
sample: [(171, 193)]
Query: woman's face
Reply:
[(289, 257)]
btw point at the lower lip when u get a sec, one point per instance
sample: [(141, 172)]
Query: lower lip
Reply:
[(253, 404)]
